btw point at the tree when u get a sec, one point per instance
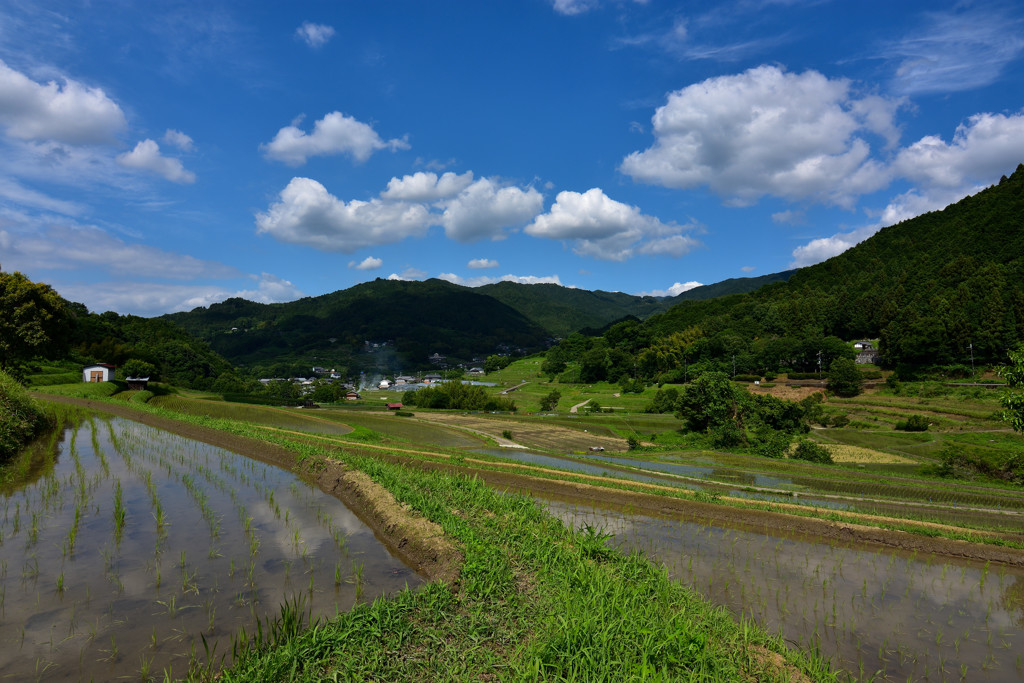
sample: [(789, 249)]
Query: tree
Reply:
[(138, 368), (708, 401), (844, 379), (34, 320), (551, 400), (495, 363), (1013, 396)]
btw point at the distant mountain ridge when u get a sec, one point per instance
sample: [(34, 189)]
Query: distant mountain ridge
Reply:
[(418, 319)]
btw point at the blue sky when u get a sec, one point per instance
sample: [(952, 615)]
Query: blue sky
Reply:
[(159, 156)]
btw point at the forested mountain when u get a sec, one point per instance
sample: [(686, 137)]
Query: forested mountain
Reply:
[(932, 289), (407, 320), (736, 285), (416, 319), (562, 310)]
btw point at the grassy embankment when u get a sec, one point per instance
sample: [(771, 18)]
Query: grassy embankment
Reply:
[(534, 601)]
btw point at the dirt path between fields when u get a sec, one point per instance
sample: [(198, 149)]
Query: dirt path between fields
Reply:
[(419, 545)]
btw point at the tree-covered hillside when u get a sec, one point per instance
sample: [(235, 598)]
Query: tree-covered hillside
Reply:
[(563, 310), (409, 320), (933, 289)]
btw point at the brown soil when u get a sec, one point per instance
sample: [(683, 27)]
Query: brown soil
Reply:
[(423, 552), (539, 435), (785, 391)]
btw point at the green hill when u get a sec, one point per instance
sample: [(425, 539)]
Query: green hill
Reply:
[(736, 285), (931, 288), (563, 310), (408, 321)]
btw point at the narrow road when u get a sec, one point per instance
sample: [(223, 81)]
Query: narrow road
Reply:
[(576, 408), (511, 389)]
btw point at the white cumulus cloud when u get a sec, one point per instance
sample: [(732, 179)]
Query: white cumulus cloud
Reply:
[(481, 263), (485, 208), (335, 133), (179, 140), (606, 229), (675, 290), (766, 131), (368, 263), (315, 35), (147, 157), (427, 187), (308, 214), (71, 112)]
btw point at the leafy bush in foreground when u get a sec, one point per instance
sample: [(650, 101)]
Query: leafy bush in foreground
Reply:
[(20, 419)]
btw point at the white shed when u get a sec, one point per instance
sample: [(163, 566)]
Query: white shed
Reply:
[(101, 372)]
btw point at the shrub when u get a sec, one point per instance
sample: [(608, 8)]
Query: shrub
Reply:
[(507, 433), (746, 378), (771, 444), (632, 443), (812, 452), (727, 435), (844, 379), (20, 418), (806, 375), (403, 413), (914, 423), (840, 420)]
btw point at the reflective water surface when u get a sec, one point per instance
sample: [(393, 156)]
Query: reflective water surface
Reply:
[(874, 612), (133, 543)]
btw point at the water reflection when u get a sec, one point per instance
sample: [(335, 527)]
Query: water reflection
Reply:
[(906, 617), (137, 541)]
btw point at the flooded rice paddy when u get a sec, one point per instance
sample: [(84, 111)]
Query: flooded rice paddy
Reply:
[(129, 545), (879, 615)]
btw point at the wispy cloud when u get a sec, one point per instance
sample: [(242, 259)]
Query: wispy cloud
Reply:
[(956, 50), (315, 35)]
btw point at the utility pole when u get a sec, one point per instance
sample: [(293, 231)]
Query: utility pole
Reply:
[(819, 364), (971, 347), (734, 365)]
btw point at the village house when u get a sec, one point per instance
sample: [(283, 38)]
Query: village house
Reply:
[(866, 352), (137, 383), (101, 372)]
